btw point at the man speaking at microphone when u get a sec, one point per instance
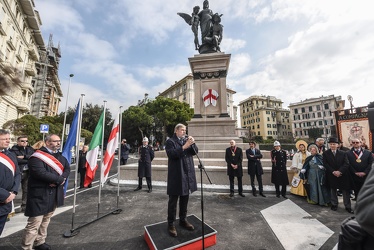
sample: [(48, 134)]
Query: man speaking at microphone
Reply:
[(181, 176)]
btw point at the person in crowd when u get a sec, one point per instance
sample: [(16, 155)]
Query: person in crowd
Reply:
[(298, 160), (360, 161), (254, 157), (320, 142), (341, 147), (181, 181), (279, 176), (37, 145), (358, 232), (48, 173), (125, 151), (314, 173), (82, 166), (23, 152), (146, 155), (10, 178), (234, 160), (337, 174), (157, 147)]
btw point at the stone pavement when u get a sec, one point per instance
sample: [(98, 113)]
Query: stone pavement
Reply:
[(241, 223)]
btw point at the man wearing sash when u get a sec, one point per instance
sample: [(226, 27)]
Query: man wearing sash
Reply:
[(10, 178), (48, 172), (360, 161), (234, 160)]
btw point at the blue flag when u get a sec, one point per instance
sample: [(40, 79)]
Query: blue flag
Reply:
[(71, 142)]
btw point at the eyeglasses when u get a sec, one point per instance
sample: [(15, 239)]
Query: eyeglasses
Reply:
[(355, 142), (23, 140)]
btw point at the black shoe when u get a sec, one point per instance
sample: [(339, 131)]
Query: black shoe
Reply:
[(339, 193), (89, 185), (231, 194), (172, 231), (254, 194), (262, 194), (242, 195), (81, 187), (349, 210), (354, 199), (278, 196), (138, 188), (284, 196), (334, 207), (149, 190), (43, 246), (186, 225)]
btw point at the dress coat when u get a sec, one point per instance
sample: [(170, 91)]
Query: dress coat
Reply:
[(363, 166), (339, 162), (8, 183), (146, 155), (235, 158), (41, 197), (181, 168), (254, 163), (26, 152), (279, 175)]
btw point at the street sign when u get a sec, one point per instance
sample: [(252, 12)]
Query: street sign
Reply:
[(44, 128)]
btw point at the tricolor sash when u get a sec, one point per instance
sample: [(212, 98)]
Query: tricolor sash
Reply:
[(49, 160), (4, 159)]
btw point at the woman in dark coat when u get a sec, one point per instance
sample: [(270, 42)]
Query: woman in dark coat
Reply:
[(279, 174), (146, 156)]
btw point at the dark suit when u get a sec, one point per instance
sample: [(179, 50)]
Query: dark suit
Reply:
[(363, 166), (255, 168), (339, 162), (279, 175), (235, 156)]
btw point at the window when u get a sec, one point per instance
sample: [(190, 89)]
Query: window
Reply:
[(320, 123), (258, 133), (268, 119), (295, 111), (332, 122), (318, 107), (258, 126), (326, 106), (310, 108), (268, 125), (319, 115), (302, 110)]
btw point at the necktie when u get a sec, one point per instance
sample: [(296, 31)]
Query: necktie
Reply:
[(333, 152)]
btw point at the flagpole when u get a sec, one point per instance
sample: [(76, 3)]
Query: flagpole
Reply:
[(77, 140), (119, 153), (66, 107), (102, 160)]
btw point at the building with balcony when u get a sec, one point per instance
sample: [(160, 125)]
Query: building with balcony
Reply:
[(46, 83), (264, 116), (20, 44), (183, 91), (315, 113)]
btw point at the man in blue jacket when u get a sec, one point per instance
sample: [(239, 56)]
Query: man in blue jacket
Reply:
[(10, 178)]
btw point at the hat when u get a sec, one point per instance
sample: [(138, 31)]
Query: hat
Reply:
[(301, 142), (276, 143), (145, 139), (312, 145), (333, 140)]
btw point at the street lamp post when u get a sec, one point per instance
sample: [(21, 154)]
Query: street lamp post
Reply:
[(66, 107)]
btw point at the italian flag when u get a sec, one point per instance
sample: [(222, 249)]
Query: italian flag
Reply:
[(93, 152), (110, 150)]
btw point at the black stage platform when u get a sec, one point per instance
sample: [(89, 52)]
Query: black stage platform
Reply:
[(157, 235)]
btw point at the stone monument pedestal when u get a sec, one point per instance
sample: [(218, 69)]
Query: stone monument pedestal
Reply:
[(211, 121)]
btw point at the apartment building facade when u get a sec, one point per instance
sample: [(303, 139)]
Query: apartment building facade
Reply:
[(264, 116), (315, 113), (21, 51)]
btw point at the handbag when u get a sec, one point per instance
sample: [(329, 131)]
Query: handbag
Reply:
[(295, 181)]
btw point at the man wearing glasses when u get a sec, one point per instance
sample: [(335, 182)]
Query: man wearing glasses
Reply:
[(48, 173), (23, 153), (360, 161)]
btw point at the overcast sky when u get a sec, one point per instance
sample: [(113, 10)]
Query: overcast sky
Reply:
[(291, 49)]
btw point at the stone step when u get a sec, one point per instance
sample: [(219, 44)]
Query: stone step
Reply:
[(217, 174), (216, 154)]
